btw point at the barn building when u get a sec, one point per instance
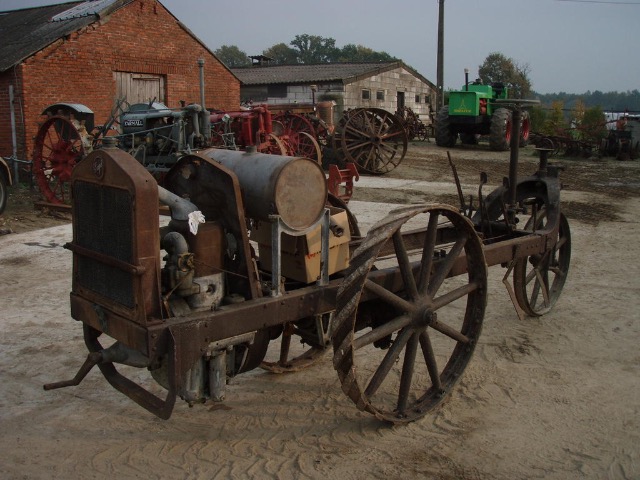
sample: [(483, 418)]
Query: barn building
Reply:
[(387, 85), (95, 52)]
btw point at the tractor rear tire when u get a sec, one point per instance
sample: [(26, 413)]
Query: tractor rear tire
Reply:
[(445, 135), (500, 130)]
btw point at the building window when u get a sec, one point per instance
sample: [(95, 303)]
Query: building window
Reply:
[(366, 94), (417, 98), (427, 99), (277, 91), (380, 95)]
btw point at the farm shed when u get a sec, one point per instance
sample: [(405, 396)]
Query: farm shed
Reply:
[(386, 85), (95, 52)]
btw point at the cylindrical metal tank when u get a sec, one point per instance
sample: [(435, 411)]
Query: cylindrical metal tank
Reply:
[(293, 187)]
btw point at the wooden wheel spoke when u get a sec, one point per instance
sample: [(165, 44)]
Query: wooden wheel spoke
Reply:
[(430, 359), (383, 123), (407, 373), (388, 150), (542, 285), (445, 267), (405, 266), (355, 144), (393, 353), (349, 128), (381, 332), (449, 331), (454, 295), (427, 252), (389, 297), (392, 134)]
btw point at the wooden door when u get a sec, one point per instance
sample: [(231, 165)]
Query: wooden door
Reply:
[(139, 87)]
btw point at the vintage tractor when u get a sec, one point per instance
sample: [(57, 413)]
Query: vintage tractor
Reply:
[(477, 110), (196, 303)]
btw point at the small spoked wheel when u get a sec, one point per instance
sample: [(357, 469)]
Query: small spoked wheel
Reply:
[(538, 279), (309, 346), (58, 148), (409, 312)]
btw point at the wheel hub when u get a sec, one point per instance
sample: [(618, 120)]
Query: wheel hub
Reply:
[(424, 317)]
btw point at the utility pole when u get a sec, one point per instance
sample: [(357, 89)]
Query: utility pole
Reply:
[(440, 68)]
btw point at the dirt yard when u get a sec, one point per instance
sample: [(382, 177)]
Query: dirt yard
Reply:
[(556, 397)]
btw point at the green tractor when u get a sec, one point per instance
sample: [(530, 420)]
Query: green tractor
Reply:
[(476, 110)]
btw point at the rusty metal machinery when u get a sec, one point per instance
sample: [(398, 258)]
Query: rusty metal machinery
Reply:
[(196, 303)]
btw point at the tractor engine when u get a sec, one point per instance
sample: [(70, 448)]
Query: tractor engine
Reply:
[(145, 285), (155, 134)]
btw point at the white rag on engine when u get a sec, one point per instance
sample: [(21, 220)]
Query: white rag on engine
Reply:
[(195, 219)]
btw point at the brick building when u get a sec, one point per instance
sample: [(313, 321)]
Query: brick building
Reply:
[(96, 51)]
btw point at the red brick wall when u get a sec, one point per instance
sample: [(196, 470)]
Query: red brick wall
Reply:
[(142, 37)]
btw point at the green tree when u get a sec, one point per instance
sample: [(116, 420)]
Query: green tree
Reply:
[(360, 53), (555, 124), (315, 49), (538, 117), (232, 56), (281, 54), (594, 125), (577, 118), (499, 68)]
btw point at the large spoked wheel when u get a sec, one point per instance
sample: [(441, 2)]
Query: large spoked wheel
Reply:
[(374, 139), (58, 147), (400, 344), (538, 279)]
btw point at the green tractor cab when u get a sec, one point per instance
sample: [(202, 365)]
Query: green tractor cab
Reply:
[(473, 111)]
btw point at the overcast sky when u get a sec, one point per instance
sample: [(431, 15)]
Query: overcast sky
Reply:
[(569, 45)]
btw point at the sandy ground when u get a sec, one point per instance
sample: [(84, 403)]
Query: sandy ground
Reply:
[(557, 397)]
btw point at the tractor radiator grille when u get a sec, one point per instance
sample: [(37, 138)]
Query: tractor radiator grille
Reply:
[(103, 223)]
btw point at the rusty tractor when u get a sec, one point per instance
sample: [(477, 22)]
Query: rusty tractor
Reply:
[(196, 303)]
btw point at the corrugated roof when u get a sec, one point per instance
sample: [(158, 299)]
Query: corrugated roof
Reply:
[(326, 72), (29, 30)]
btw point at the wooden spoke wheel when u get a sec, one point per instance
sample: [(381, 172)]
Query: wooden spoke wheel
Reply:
[(401, 342), (58, 148), (538, 279), (374, 139)]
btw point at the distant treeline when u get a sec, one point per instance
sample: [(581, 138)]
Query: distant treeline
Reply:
[(608, 101)]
